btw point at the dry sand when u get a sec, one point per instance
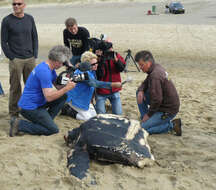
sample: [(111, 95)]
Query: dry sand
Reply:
[(185, 163)]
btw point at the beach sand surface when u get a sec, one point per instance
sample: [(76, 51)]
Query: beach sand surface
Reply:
[(183, 163)]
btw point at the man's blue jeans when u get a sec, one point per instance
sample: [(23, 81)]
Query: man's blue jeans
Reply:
[(115, 101), (41, 119), (75, 59), (158, 122)]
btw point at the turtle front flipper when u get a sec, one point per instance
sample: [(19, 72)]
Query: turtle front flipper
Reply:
[(78, 162)]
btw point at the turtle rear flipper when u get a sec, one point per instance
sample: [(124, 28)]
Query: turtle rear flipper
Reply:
[(78, 162)]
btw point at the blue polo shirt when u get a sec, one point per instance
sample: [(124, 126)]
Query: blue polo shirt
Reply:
[(41, 77)]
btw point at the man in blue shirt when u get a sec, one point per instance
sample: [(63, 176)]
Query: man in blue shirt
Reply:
[(40, 103)]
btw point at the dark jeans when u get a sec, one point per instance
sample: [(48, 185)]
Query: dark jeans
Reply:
[(75, 59), (1, 89), (158, 122), (41, 119)]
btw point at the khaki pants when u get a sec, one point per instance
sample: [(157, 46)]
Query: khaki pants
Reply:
[(18, 67)]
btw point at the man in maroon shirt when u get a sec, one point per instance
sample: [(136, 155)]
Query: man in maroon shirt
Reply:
[(157, 97)]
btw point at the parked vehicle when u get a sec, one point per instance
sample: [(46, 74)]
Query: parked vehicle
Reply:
[(176, 7)]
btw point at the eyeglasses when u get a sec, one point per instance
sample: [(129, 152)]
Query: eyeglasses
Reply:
[(14, 4), (94, 64)]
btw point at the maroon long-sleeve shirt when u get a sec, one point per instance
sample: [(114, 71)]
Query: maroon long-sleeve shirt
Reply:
[(163, 94)]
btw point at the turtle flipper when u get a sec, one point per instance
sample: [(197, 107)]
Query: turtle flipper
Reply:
[(78, 162)]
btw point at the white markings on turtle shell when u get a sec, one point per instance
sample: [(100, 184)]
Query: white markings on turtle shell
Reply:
[(104, 121), (112, 116), (70, 153), (146, 134), (133, 129), (142, 142), (71, 166)]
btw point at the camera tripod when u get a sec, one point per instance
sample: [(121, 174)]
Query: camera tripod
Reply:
[(127, 58)]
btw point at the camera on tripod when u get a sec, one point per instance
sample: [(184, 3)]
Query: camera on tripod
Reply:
[(67, 75)]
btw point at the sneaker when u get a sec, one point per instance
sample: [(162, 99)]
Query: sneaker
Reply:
[(13, 126), (69, 111), (177, 126)]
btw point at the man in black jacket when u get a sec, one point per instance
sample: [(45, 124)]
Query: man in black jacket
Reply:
[(157, 97), (75, 38), (19, 41)]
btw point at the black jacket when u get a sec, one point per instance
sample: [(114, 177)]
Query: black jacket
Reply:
[(19, 37), (78, 43)]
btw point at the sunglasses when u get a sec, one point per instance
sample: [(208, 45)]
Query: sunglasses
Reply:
[(14, 4), (94, 64)]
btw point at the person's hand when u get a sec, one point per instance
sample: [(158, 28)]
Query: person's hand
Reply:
[(145, 118), (116, 84), (70, 85), (98, 52), (140, 97), (115, 57)]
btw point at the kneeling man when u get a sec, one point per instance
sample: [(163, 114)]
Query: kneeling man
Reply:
[(40, 103), (157, 97)]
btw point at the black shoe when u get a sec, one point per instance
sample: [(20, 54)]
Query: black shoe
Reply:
[(177, 126), (69, 111), (13, 126)]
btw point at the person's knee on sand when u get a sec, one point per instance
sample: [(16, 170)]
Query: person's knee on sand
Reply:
[(163, 105), (40, 103)]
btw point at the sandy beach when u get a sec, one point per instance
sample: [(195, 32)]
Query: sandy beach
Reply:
[(187, 51)]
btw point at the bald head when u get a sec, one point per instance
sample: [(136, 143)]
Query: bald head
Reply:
[(18, 7)]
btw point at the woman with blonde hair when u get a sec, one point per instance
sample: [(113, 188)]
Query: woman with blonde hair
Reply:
[(79, 104)]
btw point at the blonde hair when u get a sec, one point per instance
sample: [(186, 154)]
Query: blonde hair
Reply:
[(88, 56)]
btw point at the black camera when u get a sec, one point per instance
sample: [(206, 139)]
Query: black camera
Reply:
[(104, 46), (109, 55), (67, 75)]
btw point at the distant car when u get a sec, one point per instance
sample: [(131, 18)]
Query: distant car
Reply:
[(176, 7)]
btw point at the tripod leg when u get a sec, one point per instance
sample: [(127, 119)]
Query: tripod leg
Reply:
[(126, 66), (135, 63)]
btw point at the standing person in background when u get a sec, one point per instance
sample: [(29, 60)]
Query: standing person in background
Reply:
[(19, 41), (76, 38)]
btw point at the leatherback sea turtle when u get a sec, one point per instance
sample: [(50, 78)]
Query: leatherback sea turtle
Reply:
[(109, 138)]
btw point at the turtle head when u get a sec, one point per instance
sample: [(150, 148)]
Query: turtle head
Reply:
[(73, 137)]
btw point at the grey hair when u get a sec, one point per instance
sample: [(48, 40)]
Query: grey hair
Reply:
[(60, 53), (145, 56)]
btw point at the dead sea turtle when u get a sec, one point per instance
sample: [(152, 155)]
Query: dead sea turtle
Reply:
[(109, 138)]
